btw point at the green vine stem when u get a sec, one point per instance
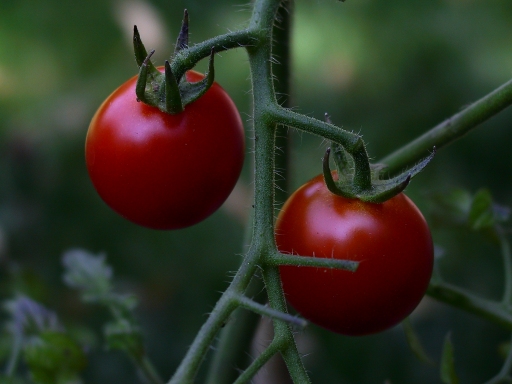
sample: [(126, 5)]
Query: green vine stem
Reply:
[(264, 310), (281, 69), (497, 312), (149, 371), (278, 258), (451, 129), (460, 298), (257, 363), (262, 254), (260, 28), (282, 332)]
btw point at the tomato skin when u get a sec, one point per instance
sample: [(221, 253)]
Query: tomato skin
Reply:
[(165, 171), (391, 241)]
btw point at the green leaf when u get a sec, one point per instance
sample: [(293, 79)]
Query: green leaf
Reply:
[(125, 336), (53, 357), (448, 374), (88, 273), (479, 211), (485, 213), (481, 215), (414, 343), (455, 203)]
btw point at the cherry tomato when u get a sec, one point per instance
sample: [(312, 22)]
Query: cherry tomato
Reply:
[(165, 171), (391, 241)]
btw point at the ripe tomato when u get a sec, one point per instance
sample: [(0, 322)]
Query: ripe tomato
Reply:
[(391, 241), (165, 171)]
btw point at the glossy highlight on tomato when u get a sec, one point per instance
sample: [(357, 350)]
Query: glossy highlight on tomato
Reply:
[(165, 171), (391, 241)]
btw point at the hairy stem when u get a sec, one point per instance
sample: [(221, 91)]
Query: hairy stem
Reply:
[(259, 362), (451, 129), (282, 330), (187, 58), (149, 371), (278, 258), (264, 310), (189, 366), (259, 51)]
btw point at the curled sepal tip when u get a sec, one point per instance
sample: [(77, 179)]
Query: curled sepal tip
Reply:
[(383, 190), (341, 188), (380, 190), (182, 41), (344, 163), (192, 91), (342, 160), (386, 189)]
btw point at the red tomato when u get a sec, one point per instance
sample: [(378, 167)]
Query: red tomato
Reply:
[(165, 171), (391, 241)]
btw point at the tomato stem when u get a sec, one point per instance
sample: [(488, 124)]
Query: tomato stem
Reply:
[(277, 259), (265, 310), (282, 330), (451, 129), (274, 347)]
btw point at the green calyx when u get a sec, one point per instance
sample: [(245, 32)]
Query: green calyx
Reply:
[(166, 91), (358, 179)]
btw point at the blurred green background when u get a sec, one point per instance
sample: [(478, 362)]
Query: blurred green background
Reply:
[(389, 70)]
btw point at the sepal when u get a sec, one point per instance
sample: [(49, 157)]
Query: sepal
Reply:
[(148, 87), (379, 190), (141, 54), (166, 91), (190, 92), (341, 188), (173, 100)]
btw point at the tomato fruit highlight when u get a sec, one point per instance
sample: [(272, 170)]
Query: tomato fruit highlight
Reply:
[(391, 241), (165, 171)]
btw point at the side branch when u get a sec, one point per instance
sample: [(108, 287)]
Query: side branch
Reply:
[(450, 129), (260, 361), (350, 141), (459, 298), (187, 58), (265, 310), (278, 258)]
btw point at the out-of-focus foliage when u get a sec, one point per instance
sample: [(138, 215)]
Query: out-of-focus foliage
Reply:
[(389, 70)]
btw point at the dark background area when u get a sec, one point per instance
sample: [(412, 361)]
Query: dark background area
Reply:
[(389, 70)]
